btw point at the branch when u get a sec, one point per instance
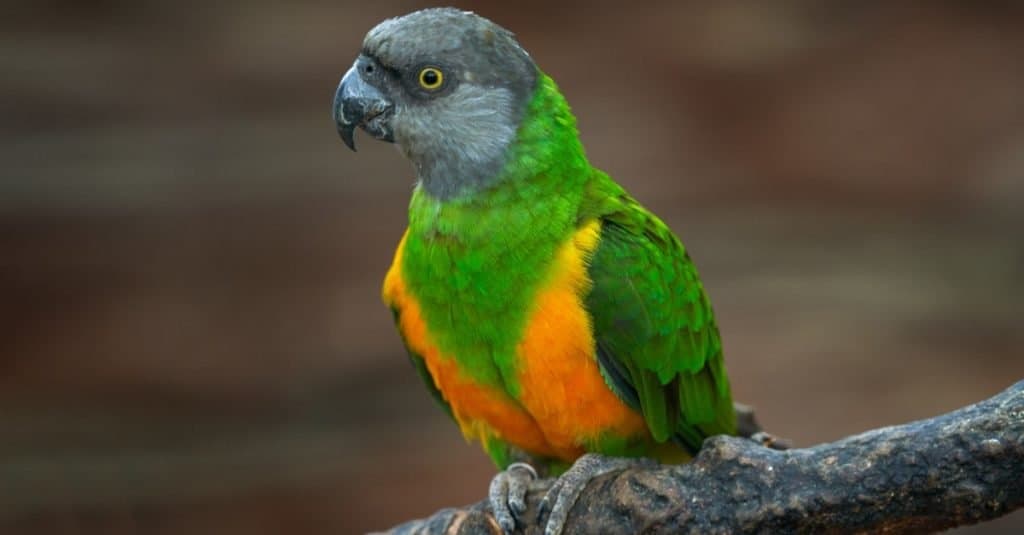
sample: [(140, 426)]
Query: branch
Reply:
[(959, 468)]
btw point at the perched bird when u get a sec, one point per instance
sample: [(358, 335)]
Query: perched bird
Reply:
[(555, 318)]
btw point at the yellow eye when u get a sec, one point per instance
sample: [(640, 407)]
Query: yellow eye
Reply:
[(431, 78)]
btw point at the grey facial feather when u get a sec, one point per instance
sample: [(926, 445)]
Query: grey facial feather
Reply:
[(457, 143), (458, 139)]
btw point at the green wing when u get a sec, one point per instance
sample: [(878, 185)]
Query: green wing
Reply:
[(657, 342)]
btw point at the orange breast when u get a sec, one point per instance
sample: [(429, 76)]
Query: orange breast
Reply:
[(564, 403), (561, 384)]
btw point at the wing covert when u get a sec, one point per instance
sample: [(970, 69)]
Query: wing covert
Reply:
[(657, 342)]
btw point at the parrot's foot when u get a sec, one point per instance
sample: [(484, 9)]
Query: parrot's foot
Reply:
[(508, 494), (562, 496)]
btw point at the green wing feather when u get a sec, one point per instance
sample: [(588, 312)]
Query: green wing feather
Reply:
[(658, 344)]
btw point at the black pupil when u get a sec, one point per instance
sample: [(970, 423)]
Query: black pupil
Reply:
[(430, 77)]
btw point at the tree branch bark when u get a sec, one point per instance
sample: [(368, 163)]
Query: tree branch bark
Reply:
[(959, 468)]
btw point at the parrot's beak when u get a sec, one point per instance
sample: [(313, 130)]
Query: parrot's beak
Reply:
[(357, 103)]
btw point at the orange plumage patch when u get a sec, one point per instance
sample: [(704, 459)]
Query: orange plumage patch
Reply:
[(560, 382)]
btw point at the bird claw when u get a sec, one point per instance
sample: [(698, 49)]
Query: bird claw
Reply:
[(507, 494), (566, 490)]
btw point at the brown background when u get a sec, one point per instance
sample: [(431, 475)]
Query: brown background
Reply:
[(192, 339)]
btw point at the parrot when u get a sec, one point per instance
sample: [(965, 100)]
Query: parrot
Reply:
[(556, 320)]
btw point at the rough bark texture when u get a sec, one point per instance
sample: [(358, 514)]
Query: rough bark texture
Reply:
[(959, 468)]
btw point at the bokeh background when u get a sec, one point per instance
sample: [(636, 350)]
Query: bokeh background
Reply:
[(192, 339)]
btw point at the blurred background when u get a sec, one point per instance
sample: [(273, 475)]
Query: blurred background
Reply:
[(190, 259)]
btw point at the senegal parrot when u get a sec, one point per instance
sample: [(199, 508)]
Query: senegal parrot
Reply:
[(559, 322)]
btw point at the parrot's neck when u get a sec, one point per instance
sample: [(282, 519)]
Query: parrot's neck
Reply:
[(544, 142), (544, 168)]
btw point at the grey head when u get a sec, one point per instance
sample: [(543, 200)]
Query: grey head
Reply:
[(448, 86)]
